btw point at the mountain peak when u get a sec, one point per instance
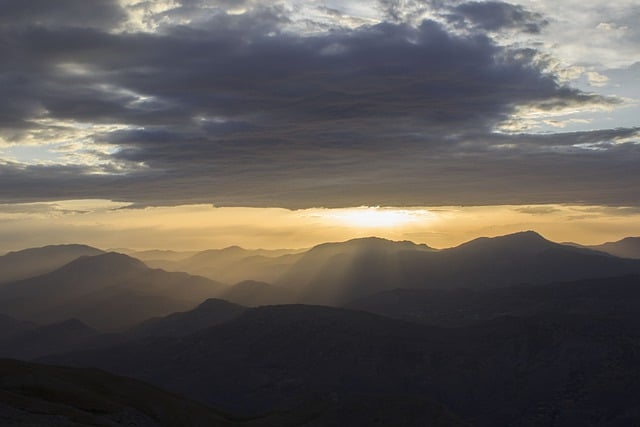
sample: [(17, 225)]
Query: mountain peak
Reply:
[(72, 247), (635, 240), (523, 240), (108, 263), (629, 247), (372, 242)]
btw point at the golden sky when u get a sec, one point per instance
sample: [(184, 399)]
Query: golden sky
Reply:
[(107, 224)]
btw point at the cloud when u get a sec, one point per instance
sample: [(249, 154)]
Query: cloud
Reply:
[(104, 14), (210, 104), (496, 16)]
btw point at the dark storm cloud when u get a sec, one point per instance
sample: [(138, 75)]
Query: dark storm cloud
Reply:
[(61, 13), (495, 16), (234, 110)]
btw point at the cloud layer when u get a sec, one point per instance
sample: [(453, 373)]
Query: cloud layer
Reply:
[(264, 104)]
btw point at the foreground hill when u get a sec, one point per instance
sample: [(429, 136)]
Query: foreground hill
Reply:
[(36, 261), (335, 274), (547, 369), (628, 247), (109, 291), (40, 395)]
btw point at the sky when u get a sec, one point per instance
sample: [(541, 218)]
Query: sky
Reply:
[(204, 123)]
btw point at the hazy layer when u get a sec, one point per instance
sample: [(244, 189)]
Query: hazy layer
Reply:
[(107, 224)]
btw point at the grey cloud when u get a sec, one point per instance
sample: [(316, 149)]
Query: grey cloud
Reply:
[(61, 13), (347, 177), (497, 15), (235, 111)]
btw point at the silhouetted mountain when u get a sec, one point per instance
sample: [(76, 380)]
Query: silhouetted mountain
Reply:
[(628, 247), (159, 256), (109, 291), (36, 261), (284, 340), (552, 369), (10, 326), (252, 294), (63, 337), (39, 395), (210, 313), (611, 298), (335, 274), (235, 264)]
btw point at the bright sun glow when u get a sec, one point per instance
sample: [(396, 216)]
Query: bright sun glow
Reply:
[(377, 217)]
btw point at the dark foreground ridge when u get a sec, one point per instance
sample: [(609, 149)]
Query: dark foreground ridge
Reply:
[(38, 395)]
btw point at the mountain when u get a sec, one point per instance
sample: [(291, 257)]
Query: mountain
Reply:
[(39, 395), (36, 261), (252, 294), (335, 274), (210, 313), (10, 326), (38, 341), (109, 291), (262, 358), (541, 369), (332, 273), (234, 264), (611, 298), (155, 255), (628, 247)]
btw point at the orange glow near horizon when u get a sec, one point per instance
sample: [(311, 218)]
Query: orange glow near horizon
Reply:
[(111, 225), (374, 217)]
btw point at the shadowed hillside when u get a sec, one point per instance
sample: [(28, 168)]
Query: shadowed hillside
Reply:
[(109, 291), (234, 264), (628, 247), (505, 371), (35, 261), (40, 395), (615, 297), (335, 274), (210, 313), (44, 396)]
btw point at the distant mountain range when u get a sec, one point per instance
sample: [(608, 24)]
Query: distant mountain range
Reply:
[(109, 291), (628, 247), (35, 261), (92, 288), (335, 274), (511, 330), (233, 264)]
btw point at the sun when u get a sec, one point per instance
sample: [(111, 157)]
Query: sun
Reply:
[(378, 217)]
